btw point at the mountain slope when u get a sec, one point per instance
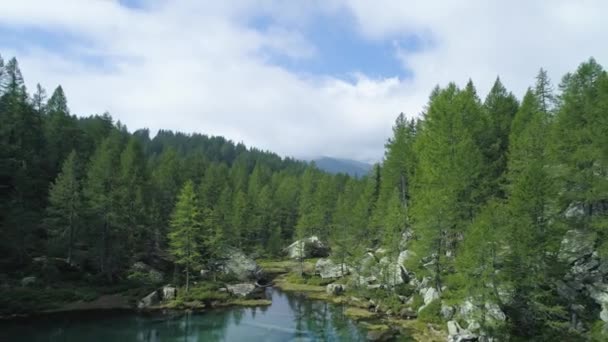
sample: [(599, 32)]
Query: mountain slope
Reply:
[(347, 166)]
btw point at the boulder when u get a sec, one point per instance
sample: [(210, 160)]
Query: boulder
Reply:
[(245, 290), (335, 289), (494, 312), (311, 247), (328, 269), (391, 272), (429, 295), (28, 281), (238, 265), (447, 311), (153, 299), (169, 292), (576, 244), (453, 328), (384, 334), (145, 273), (408, 313)]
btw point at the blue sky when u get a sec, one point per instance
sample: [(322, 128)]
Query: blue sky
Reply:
[(309, 78)]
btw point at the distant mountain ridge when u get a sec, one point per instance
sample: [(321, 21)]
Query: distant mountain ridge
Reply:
[(339, 165)]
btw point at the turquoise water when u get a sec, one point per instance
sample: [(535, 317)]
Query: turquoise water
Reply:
[(291, 317)]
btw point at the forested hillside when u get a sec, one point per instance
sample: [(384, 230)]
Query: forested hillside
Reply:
[(493, 192)]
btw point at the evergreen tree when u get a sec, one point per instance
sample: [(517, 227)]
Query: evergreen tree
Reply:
[(102, 192), (184, 237), (446, 189), (65, 206)]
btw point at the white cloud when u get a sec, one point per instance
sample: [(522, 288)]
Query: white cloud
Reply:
[(197, 67)]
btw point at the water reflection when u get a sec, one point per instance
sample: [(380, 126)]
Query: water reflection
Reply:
[(291, 317)]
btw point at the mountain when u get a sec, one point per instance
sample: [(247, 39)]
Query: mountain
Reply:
[(338, 165)]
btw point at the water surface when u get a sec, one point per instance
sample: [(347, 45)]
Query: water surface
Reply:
[(291, 317)]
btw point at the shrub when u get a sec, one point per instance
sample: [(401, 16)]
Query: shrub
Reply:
[(431, 313)]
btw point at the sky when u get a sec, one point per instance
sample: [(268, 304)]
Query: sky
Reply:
[(300, 78)]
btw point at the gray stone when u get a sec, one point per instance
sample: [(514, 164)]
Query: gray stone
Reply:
[(239, 265), (380, 335), (494, 312), (335, 289), (146, 273), (245, 290), (169, 292), (408, 313), (430, 295), (453, 328), (328, 269), (307, 248), (576, 244), (447, 312), (152, 299), (28, 281)]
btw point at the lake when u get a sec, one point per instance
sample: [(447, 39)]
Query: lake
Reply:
[(291, 317)]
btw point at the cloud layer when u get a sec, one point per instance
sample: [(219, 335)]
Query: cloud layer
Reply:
[(201, 66)]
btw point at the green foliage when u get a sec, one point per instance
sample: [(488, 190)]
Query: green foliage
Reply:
[(431, 313)]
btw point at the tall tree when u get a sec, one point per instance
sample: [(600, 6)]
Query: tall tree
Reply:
[(186, 225), (65, 205), (102, 192), (449, 167)]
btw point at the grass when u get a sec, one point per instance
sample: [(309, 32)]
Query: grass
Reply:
[(250, 302), (359, 314)]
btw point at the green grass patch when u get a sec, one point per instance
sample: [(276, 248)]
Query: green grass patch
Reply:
[(431, 313)]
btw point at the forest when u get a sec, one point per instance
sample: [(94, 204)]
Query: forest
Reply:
[(493, 191)]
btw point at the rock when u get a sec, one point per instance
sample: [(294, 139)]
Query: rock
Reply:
[(430, 295), (311, 247), (494, 312), (245, 290), (576, 244), (145, 273), (335, 289), (238, 265), (328, 269), (453, 328), (447, 312), (28, 281), (575, 209), (408, 313), (604, 314), (391, 272), (474, 326), (152, 299), (378, 335), (169, 292), (467, 309)]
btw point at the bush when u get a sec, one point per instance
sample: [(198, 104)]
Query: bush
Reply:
[(417, 302), (204, 292), (431, 313)]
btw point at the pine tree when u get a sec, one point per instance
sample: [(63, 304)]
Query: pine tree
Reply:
[(186, 225), (65, 205)]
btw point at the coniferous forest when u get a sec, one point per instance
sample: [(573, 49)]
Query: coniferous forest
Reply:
[(503, 199)]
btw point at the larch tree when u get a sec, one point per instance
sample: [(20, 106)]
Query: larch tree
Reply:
[(65, 206), (186, 227)]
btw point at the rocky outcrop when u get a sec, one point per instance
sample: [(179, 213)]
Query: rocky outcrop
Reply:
[(144, 273), (153, 299), (169, 292), (375, 270), (311, 247), (458, 334), (576, 245), (326, 268), (28, 281), (238, 265), (586, 274), (245, 290), (335, 289)]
